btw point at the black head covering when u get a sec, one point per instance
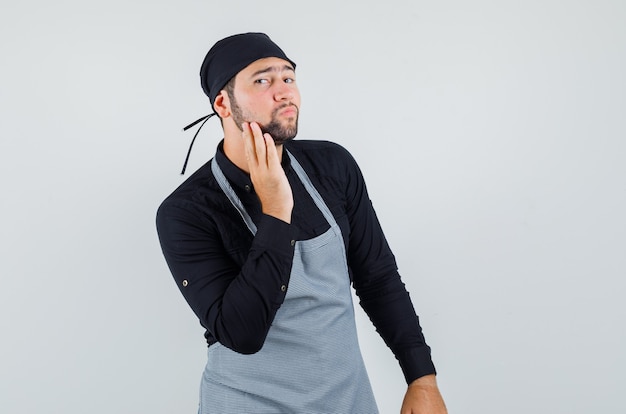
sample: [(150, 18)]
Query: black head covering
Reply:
[(232, 54)]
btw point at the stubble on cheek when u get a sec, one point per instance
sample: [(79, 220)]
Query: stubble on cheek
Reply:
[(279, 131)]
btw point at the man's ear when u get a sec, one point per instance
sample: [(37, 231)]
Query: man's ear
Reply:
[(221, 105)]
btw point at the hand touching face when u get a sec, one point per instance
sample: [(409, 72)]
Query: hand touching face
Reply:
[(266, 172)]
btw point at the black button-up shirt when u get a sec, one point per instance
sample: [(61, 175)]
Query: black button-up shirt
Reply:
[(235, 282)]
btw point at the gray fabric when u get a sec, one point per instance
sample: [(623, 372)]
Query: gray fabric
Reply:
[(310, 361), (230, 193)]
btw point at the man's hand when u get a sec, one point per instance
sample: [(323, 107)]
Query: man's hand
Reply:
[(266, 173), (423, 397)]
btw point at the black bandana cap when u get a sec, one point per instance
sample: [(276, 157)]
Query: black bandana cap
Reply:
[(232, 54), (226, 59)]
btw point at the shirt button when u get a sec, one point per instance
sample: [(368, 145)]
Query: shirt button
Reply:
[(293, 242), (185, 283), (283, 288), (247, 188)]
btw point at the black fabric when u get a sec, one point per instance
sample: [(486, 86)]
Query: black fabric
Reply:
[(232, 280), (232, 54)]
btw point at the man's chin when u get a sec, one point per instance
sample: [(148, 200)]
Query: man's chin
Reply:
[(280, 134)]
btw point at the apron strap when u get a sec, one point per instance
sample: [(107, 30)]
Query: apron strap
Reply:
[(304, 178), (230, 193), (315, 195)]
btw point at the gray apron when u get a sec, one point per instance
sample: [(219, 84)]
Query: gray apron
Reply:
[(310, 361)]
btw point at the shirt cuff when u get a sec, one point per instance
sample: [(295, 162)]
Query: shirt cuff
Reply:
[(415, 363), (276, 235)]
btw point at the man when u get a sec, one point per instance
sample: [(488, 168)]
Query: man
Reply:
[(264, 241)]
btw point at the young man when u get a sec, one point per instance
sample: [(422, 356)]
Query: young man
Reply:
[(264, 241)]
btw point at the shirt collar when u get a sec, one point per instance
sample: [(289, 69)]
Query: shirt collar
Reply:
[(236, 176)]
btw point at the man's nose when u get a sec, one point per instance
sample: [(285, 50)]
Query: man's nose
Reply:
[(284, 92)]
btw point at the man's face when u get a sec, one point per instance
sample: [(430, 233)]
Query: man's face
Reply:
[(266, 92)]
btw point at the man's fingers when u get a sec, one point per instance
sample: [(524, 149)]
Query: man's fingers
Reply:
[(260, 147), (272, 153), (248, 142), (266, 173), (259, 144)]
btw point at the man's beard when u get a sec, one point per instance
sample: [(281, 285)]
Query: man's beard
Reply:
[(279, 132)]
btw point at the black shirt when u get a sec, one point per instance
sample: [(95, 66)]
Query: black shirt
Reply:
[(235, 282)]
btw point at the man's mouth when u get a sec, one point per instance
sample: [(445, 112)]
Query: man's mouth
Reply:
[(289, 110)]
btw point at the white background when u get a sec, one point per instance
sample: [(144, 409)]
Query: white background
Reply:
[(491, 135)]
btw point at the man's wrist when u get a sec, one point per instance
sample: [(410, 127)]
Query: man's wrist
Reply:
[(429, 380)]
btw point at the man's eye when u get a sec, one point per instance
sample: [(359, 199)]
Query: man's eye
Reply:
[(261, 81), (290, 80)]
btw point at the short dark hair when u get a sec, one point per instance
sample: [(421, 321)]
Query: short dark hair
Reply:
[(230, 88)]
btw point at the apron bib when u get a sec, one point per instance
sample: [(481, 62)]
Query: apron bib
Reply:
[(310, 361)]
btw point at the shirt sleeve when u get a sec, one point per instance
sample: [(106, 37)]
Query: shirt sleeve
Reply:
[(378, 285), (235, 303)]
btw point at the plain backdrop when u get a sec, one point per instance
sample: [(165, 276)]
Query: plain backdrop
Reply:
[(491, 135)]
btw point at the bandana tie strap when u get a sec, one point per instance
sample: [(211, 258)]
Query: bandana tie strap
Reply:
[(203, 120)]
